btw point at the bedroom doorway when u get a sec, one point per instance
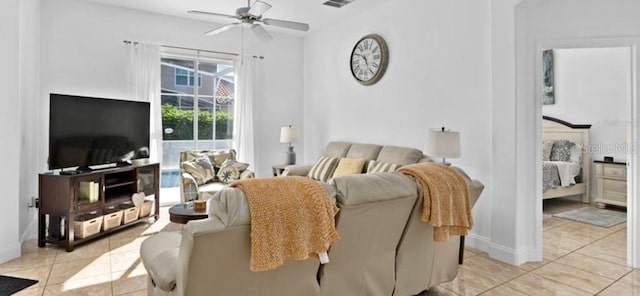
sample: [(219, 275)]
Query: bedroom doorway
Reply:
[(586, 91)]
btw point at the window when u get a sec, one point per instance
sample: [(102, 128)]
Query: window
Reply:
[(185, 78), (195, 117)]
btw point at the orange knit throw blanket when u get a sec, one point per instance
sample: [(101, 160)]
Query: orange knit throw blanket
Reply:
[(446, 198), (291, 218)]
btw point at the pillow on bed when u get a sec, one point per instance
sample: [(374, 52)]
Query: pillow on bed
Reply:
[(576, 153), (546, 150), (561, 150)]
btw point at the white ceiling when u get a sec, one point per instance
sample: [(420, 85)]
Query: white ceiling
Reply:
[(307, 11)]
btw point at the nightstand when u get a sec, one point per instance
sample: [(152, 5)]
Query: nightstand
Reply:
[(278, 169), (611, 183)]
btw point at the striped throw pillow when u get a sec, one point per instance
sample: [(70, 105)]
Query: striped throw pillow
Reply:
[(381, 167), (323, 169)]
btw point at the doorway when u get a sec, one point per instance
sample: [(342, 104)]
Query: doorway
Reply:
[(620, 148), (589, 90)]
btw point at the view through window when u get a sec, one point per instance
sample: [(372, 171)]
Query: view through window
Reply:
[(194, 117)]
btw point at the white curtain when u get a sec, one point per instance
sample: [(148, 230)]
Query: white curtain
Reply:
[(145, 86), (248, 71)]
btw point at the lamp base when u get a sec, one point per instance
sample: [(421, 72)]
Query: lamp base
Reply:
[(290, 156)]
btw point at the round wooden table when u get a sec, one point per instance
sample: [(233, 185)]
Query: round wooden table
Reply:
[(184, 213)]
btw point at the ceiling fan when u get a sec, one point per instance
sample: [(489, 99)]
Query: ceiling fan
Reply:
[(251, 15)]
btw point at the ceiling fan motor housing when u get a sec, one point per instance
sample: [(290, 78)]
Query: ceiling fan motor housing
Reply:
[(243, 13)]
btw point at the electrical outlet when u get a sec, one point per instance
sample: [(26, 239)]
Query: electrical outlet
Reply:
[(34, 203)]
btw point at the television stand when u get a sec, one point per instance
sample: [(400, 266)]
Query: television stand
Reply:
[(64, 203), (120, 164)]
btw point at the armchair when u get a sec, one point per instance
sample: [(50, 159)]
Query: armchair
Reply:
[(201, 182)]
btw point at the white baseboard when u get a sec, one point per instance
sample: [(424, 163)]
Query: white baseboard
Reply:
[(9, 252), (498, 252), (31, 232)]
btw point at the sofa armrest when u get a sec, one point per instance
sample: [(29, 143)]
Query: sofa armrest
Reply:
[(297, 170), (163, 270), (247, 174), (188, 187)]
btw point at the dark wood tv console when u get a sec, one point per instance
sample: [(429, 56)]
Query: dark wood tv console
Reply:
[(59, 198)]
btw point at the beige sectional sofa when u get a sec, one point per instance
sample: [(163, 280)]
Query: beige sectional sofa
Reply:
[(385, 249)]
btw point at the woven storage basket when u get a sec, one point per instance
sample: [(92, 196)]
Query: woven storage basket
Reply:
[(112, 219), (145, 208), (86, 225), (130, 213)]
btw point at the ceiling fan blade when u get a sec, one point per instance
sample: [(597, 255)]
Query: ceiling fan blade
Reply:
[(219, 30), (211, 13), (261, 32), (258, 8), (286, 24)]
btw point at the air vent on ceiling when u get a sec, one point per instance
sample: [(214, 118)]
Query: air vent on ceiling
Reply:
[(338, 3)]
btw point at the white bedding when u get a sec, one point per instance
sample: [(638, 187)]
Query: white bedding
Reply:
[(567, 171)]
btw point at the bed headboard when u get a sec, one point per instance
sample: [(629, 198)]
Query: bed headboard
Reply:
[(556, 129)]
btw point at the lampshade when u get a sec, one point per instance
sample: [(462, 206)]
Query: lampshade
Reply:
[(289, 134), (443, 143)]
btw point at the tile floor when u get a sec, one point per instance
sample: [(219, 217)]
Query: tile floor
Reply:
[(579, 259)]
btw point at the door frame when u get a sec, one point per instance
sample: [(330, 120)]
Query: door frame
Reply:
[(633, 174)]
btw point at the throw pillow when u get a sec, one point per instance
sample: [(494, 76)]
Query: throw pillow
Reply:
[(546, 150), (228, 174), (241, 166), (323, 169), (561, 150), (381, 167), (349, 166), (200, 168)]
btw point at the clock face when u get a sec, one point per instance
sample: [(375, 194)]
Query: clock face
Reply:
[(369, 59)]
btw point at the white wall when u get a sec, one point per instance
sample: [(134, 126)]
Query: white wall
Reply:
[(438, 75), (29, 111), (10, 121), (592, 87), (519, 26), (83, 53)]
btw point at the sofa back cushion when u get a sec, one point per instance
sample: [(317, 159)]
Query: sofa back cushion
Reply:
[(399, 155), (364, 151), (337, 149), (374, 209)]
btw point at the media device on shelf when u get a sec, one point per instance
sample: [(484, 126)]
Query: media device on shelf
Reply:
[(87, 131)]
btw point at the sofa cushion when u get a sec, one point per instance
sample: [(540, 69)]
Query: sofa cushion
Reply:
[(360, 189), (349, 166), (399, 155), (323, 169), (364, 151), (375, 166), (337, 149), (200, 168)]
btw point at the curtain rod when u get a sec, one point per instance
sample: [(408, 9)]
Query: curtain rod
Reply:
[(134, 43)]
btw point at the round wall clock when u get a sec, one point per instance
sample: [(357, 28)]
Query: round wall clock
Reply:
[(369, 59)]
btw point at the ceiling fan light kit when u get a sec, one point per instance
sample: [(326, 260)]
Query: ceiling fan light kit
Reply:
[(252, 15)]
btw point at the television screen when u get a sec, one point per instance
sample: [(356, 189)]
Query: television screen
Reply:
[(86, 131)]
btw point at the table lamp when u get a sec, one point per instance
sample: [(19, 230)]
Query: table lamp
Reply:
[(289, 135), (443, 143)]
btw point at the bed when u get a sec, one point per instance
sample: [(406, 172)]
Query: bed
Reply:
[(576, 169)]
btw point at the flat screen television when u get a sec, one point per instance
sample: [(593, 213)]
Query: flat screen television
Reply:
[(86, 131)]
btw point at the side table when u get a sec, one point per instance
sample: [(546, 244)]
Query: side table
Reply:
[(184, 213), (278, 169)]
